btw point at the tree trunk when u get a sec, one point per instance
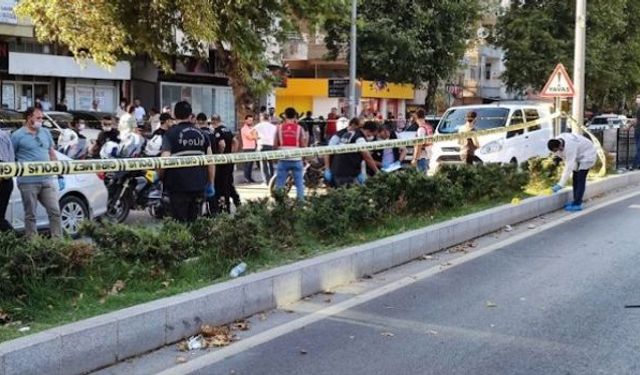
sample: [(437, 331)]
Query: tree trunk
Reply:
[(244, 100), (429, 100)]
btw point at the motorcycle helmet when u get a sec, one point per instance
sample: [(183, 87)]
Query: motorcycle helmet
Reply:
[(131, 146), (67, 141), (109, 150), (342, 123), (153, 147)]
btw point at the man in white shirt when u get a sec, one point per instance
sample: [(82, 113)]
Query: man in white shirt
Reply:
[(579, 155), (266, 141), (139, 111)]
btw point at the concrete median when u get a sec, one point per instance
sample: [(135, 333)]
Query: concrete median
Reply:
[(104, 340)]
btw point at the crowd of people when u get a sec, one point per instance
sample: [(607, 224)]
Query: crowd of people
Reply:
[(183, 133)]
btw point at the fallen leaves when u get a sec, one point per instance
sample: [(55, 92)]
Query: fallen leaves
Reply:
[(117, 287), (4, 317), (303, 352), (181, 359), (491, 304), (213, 336), (387, 334)]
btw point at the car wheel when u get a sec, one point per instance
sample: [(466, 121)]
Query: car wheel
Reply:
[(73, 211)]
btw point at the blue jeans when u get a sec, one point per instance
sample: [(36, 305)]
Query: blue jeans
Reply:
[(296, 168), (423, 165)]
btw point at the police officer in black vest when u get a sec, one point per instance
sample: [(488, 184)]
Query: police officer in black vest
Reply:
[(346, 169), (187, 186)]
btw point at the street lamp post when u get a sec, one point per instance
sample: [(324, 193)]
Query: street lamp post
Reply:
[(579, 63), (352, 60)]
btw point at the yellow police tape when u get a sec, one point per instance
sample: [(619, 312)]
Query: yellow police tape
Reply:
[(65, 167)]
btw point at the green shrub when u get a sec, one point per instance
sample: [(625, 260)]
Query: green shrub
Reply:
[(150, 248), (331, 215), (25, 264), (484, 182), (543, 172), (412, 192)]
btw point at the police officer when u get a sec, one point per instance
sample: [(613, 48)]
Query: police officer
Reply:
[(187, 186), (345, 169), (224, 143)]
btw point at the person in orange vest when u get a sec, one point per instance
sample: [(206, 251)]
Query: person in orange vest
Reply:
[(291, 136)]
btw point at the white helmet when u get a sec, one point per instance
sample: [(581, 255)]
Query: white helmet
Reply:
[(109, 150), (68, 139), (154, 145), (342, 123), (131, 146)]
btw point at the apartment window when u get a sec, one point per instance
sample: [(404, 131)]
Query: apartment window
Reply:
[(487, 71)]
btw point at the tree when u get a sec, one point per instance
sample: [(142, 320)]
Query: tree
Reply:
[(538, 34), (242, 32), (420, 42)]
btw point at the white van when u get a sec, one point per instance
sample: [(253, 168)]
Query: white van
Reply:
[(506, 147)]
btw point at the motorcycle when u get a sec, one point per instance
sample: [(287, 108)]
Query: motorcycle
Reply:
[(135, 190), (313, 175), (132, 190)]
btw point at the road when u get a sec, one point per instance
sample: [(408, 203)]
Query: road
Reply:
[(553, 303)]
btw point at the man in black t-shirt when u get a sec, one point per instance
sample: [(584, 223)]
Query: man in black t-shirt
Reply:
[(346, 168), (224, 143), (187, 186)]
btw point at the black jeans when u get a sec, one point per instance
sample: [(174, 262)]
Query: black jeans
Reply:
[(248, 168), (186, 206), (579, 185), (6, 188), (225, 190), (345, 181)]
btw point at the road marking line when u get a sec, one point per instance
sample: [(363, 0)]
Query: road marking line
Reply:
[(269, 335)]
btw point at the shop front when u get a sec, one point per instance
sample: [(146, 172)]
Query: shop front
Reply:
[(209, 99), (313, 95), (50, 78)]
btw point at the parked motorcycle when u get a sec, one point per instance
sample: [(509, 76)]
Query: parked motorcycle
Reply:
[(135, 190)]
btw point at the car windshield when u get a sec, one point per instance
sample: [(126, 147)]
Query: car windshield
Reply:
[(62, 119), (11, 120), (600, 121), (488, 118)]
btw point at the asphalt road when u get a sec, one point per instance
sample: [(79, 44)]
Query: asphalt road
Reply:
[(551, 304)]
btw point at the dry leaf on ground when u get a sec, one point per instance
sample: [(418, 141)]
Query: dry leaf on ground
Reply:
[(240, 325), (181, 359), (491, 304), (216, 336), (117, 287), (183, 346), (387, 334)]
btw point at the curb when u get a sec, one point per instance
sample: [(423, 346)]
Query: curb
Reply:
[(94, 343)]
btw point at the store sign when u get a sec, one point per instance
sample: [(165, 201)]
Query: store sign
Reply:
[(338, 88), (7, 14)]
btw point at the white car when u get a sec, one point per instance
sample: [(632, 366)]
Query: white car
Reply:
[(608, 121), (84, 198), (505, 147)]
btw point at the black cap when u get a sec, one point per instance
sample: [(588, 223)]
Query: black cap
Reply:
[(165, 117)]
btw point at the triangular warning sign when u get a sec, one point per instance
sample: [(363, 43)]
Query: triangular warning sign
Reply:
[(559, 84)]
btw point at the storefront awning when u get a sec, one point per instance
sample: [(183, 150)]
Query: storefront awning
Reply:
[(64, 66)]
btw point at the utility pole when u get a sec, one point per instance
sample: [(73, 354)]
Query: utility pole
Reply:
[(579, 63), (352, 61)]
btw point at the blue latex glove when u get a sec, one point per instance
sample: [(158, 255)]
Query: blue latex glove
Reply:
[(556, 188), (328, 176), (210, 191), (362, 177), (61, 183)]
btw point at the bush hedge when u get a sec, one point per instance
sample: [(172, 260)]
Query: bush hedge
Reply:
[(66, 269)]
